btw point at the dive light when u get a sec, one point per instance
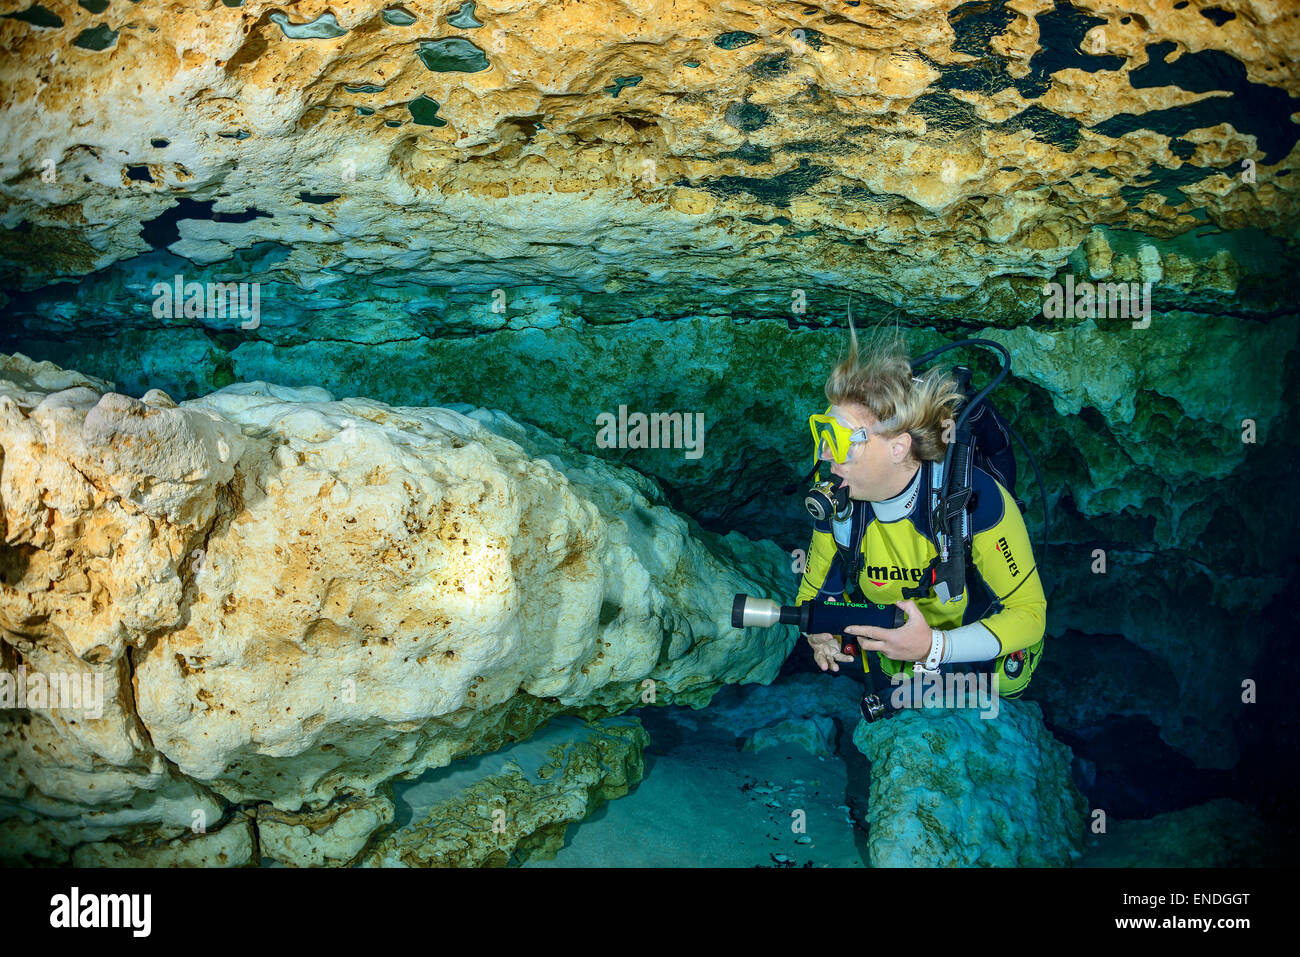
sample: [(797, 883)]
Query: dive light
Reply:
[(826, 617), (813, 617)]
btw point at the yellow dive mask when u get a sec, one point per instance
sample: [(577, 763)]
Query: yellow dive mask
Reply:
[(833, 436)]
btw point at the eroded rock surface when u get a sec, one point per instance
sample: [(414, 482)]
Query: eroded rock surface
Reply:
[(293, 600), (950, 788), (333, 836), (918, 152), (517, 803)]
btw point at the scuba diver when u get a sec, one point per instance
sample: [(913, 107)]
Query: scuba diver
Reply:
[(890, 531)]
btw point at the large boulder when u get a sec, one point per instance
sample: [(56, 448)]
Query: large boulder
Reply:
[(290, 600), (952, 788)]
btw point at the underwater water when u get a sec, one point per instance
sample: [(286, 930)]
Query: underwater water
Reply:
[(394, 400)]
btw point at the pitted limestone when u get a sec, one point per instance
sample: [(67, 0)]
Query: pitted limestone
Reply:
[(952, 789)]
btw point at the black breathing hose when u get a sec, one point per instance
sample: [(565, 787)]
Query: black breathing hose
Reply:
[(979, 396), (1002, 373)]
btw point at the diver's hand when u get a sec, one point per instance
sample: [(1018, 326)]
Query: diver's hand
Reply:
[(826, 651), (911, 642)]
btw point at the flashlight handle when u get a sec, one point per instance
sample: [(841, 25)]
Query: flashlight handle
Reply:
[(832, 617)]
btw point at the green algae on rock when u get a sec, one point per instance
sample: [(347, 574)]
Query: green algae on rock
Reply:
[(952, 789), (517, 803)]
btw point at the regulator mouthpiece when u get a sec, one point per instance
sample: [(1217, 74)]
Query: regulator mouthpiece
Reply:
[(826, 501)]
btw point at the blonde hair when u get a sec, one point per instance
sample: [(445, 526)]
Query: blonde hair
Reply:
[(878, 376)]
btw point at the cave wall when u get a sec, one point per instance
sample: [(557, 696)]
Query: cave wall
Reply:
[(555, 210)]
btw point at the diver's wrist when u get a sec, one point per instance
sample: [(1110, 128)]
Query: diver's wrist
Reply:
[(938, 646)]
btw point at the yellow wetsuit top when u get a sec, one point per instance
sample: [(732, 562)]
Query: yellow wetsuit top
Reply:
[(896, 545)]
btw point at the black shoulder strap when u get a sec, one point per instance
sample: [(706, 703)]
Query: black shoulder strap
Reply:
[(927, 514), (946, 576), (850, 557)]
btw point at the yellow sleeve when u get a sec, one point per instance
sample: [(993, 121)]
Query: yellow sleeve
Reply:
[(821, 552), (1005, 560)]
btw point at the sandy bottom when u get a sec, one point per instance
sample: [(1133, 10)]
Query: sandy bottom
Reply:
[(706, 802)]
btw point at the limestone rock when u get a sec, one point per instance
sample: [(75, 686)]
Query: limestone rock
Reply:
[(1135, 406), (952, 789), (1193, 364), (252, 579), (232, 845), (1149, 263), (1099, 255), (1219, 833), (318, 596), (814, 735), (367, 147), (511, 805), (332, 836), (59, 790), (745, 709)]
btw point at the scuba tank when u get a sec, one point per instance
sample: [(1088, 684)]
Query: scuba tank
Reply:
[(980, 438)]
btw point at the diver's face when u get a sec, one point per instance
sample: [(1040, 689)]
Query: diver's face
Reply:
[(873, 467)]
